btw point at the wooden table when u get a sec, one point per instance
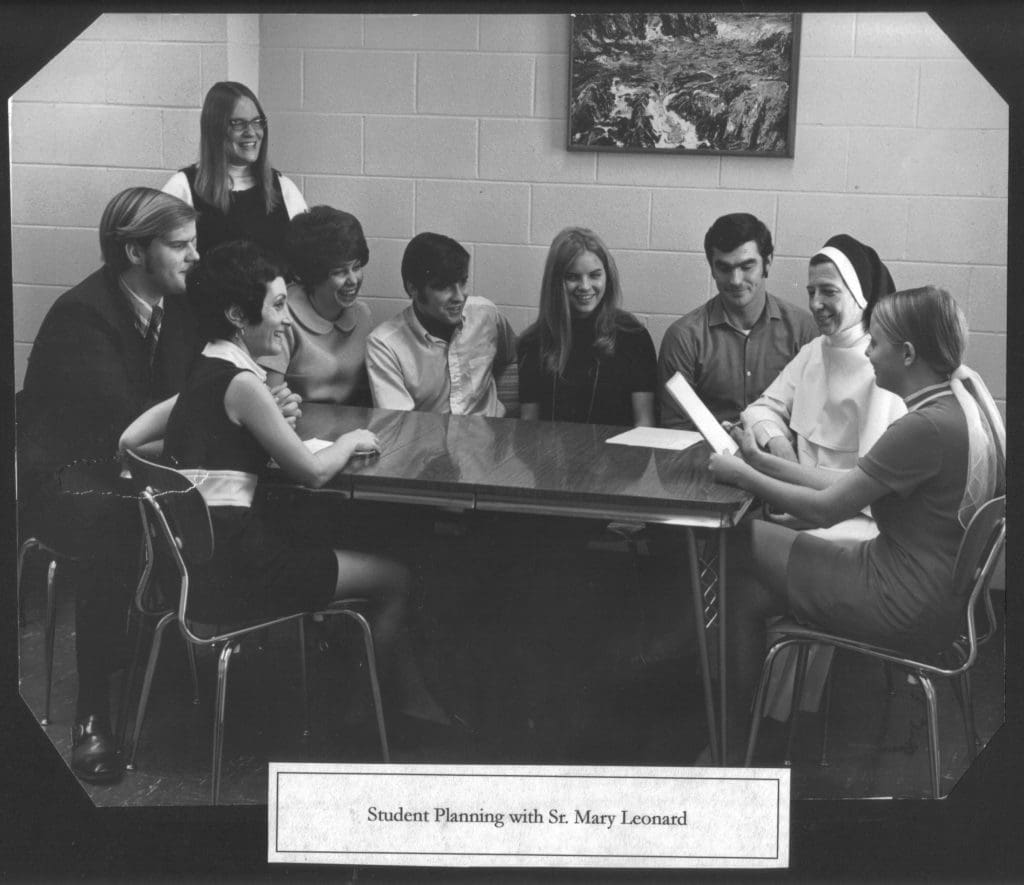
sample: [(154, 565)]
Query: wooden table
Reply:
[(551, 468)]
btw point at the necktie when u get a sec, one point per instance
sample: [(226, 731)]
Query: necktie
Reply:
[(153, 333)]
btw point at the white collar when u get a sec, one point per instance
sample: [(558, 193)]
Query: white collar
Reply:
[(221, 349), (848, 337)]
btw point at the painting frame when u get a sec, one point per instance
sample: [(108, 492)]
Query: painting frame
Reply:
[(756, 121)]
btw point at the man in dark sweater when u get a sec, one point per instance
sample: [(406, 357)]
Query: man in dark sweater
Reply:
[(115, 344)]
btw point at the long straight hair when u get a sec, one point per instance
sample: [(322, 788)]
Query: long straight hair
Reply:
[(554, 323), (212, 181)]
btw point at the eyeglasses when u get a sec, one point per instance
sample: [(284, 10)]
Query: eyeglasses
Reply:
[(258, 124)]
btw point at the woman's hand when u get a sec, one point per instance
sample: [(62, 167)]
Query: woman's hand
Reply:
[(363, 441), (728, 468), (287, 402), (744, 438)]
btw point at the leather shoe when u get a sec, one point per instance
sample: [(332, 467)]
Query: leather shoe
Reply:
[(94, 754)]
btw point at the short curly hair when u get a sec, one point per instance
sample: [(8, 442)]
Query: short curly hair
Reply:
[(322, 239), (233, 274)]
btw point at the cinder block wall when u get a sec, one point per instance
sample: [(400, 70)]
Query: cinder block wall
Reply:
[(456, 123), (119, 106)]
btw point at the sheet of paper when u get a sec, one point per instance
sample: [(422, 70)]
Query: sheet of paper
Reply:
[(657, 438), (710, 429)]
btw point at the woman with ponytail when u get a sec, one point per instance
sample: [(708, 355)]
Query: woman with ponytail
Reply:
[(924, 478)]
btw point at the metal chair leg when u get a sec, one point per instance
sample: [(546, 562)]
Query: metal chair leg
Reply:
[(934, 757), (371, 666), (147, 683), (190, 651), (759, 699), (823, 757), (794, 707), (223, 662), (23, 551), (301, 624), (131, 677), (51, 623), (967, 709)]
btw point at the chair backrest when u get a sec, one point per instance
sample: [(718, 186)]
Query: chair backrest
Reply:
[(982, 544), (175, 498)]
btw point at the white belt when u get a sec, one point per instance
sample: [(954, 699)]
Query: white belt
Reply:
[(223, 488)]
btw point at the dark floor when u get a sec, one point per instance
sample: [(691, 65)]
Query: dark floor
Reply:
[(533, 647)]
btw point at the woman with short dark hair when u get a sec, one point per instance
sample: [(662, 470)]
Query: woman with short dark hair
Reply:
[(222, 429), (323, 352), (238, 193)]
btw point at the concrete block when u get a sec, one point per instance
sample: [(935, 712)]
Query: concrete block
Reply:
[(680, 219), (384, 207), (312, 143), (551, 89), (75, 74), (180, 137), (522, 32), (382, 309), (193, 27), (383, 275), (65, 195), (473, 211), (929, 161), (154, 74), (826, 35), (510, 275), (119, 178), (30, 306), (425, 147), (243, 64), (954, 277), (54, 256), (243, 28), (488, 84), (657, 325), (669, 283), (986, 354), (857, 92), (787, 278), (215, 67), (520, 318), (902, 35), (972, 231), (819, 164), (86, 135), (119, 27), (531, 150), (955, 95), (359, 82), (311, 31), (806, 221), (620, 216), (657, 170), (986, 302), (280, 80), (424, 31)]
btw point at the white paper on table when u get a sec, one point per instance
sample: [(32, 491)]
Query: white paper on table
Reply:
[(710, 429), (658, 438)]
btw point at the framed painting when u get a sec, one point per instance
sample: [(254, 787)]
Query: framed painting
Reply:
[(706, 82)]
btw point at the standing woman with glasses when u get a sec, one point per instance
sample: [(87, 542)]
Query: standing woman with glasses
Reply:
[(238, 194), (585, 359)]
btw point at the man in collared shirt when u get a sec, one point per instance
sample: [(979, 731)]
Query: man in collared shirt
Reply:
[(115, 344), (731, 348), (442, 352)]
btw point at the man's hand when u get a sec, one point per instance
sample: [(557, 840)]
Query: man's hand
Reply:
[(287, 402)]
